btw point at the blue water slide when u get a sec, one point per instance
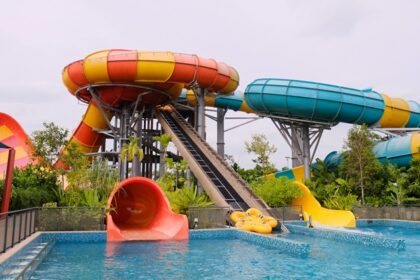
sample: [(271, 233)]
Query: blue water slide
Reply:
[(314, 101)]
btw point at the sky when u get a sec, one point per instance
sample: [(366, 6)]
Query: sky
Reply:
[(356, 44)]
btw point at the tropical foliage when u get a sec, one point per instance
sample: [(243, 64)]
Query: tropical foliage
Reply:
[(164, 141), (182, 193), (33, 186), (131, 149), (276, 192)]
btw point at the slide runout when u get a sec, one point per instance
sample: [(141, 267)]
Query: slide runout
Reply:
[(141, 211), (311, 206), (233, 183)]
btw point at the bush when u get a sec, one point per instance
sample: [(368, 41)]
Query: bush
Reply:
[(32, 186), (341, 202), (277, 192)]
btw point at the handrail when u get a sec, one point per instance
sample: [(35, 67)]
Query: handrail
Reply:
[(28, 226), (17, 225), (209, 149)]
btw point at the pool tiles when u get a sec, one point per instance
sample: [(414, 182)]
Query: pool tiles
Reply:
[(290, 247), (350, 237), (388, 223), (75, 236)]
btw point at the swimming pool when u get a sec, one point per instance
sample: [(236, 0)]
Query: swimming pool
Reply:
[(226, 256)]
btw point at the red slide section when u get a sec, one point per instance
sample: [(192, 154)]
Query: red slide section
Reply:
[(141, 211), (13, 135)]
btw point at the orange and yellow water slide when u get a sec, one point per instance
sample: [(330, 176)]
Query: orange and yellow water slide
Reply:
[(119, 76), (13, 135), (148, 79)]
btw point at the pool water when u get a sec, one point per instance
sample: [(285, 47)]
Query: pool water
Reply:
[(234, 259), (334, 259)]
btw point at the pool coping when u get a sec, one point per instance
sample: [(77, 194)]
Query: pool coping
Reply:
[(343, 235)]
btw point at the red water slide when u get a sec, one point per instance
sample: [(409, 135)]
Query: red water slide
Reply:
[(141, 211)]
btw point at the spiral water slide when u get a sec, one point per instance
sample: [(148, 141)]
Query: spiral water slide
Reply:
[(108, 79), (325, 103)]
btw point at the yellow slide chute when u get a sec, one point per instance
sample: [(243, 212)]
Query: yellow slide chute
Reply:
[(320, 215)]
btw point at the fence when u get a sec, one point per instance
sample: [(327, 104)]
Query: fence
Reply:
[(70, 218), (207, 217), (287, 213), (15, 226), (388, 212)]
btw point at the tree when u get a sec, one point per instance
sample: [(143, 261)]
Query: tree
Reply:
[(48, 141), (260, 146), (359, 160), (132, 150), (33, 186), (164, 141)]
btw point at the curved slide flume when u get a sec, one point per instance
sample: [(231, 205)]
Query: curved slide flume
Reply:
[(13, 135), (112, 78), (119, 76), (141, 211), (331, 104)]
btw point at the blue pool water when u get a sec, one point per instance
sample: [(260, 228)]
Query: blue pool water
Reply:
[(234, 259)]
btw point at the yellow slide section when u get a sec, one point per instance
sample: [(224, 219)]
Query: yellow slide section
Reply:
[(320, 215)]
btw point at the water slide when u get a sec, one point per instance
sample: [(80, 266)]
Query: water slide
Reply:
[(115, 77), (310, 101), (13, 135), (141, 211), (111, 78)]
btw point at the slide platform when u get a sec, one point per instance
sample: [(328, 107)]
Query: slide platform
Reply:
[(141, 211)]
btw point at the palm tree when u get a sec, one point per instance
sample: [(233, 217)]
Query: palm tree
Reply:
[(131, 150), (164, 141)]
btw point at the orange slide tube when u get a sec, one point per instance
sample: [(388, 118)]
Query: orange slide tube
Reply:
[(13, 135), (141, 211)]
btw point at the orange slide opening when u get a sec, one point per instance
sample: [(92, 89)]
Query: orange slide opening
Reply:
[(141, 211)]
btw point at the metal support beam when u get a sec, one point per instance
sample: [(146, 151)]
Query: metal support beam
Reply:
[(124, 132), (306, 148), (200, 112), (302, 137), (136, 160), (221, 112)]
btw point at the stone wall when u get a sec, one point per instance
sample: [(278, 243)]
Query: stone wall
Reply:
[(411, 213)]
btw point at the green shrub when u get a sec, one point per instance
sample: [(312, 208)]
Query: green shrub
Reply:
[(341, 202), (32, 186), (277, 192)]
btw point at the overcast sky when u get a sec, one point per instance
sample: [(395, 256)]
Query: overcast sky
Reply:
[(350, 43)]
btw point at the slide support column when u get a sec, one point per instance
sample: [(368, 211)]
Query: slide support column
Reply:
[(306, 147), (221, 112), (201, 125), (124, 129), (136, 160)]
